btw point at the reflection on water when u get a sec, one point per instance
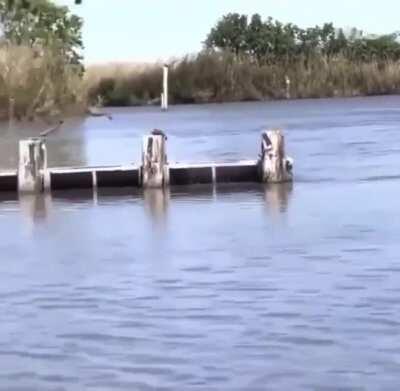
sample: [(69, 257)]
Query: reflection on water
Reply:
[(8, 196), (76, 196), (277, 197), (35, 208), (156, 202)]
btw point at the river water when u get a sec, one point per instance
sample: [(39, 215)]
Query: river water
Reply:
[(233, 288)]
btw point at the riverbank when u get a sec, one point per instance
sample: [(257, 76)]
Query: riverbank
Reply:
[(42, 86), (210, 77), (243, 59)]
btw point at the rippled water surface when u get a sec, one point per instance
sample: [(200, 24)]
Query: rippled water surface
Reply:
[(229, 288)]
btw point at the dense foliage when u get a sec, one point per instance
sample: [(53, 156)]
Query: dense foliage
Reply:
[(270, 41), (255, 59), (41, 23), (40, 59)]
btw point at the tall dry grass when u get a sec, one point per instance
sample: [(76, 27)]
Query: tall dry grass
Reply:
[(37, 83), (218, 77), (41, 84), (123, 84)]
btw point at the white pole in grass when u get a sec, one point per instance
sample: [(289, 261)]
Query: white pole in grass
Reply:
[(164, 95)]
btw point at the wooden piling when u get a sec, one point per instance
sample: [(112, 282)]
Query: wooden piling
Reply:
[(154, 170), (274, 165), (32, 165), (33, 175)]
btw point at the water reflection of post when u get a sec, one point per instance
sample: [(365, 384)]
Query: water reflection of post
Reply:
[(156, 203), (277, 197), (35, 207)]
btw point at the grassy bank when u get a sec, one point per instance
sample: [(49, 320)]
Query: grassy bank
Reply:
[(244, 58), (219, 77), (42, 85)]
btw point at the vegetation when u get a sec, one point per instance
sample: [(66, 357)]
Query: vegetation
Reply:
[(212, 76), (271, 42), (40, 62), (243, 59), (256, 60)]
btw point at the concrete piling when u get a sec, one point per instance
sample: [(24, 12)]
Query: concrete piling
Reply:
[(32, 165)]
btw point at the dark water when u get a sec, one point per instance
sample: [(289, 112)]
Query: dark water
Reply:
[(235, 288)]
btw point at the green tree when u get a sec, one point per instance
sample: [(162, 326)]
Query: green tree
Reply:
[(260, 38), (254, 31), (41, 23), (379, 49), (285, 37), (229, 34), (339, 44)]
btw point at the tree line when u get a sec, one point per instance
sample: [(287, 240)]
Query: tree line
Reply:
[(270, 41)]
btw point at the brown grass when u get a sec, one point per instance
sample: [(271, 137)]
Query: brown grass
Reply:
[(38, 83), (218, 77), (42, 85)]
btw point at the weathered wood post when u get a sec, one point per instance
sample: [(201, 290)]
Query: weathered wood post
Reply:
[(164, 95), (32, 165), (155, 170), (274, 165)]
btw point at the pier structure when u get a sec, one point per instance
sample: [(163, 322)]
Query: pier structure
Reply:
[(154, 171)]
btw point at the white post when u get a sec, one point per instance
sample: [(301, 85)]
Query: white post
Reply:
[(11, 112), (32, 165), (155, 170), (164, 95), (287, 79), (274, 165)]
